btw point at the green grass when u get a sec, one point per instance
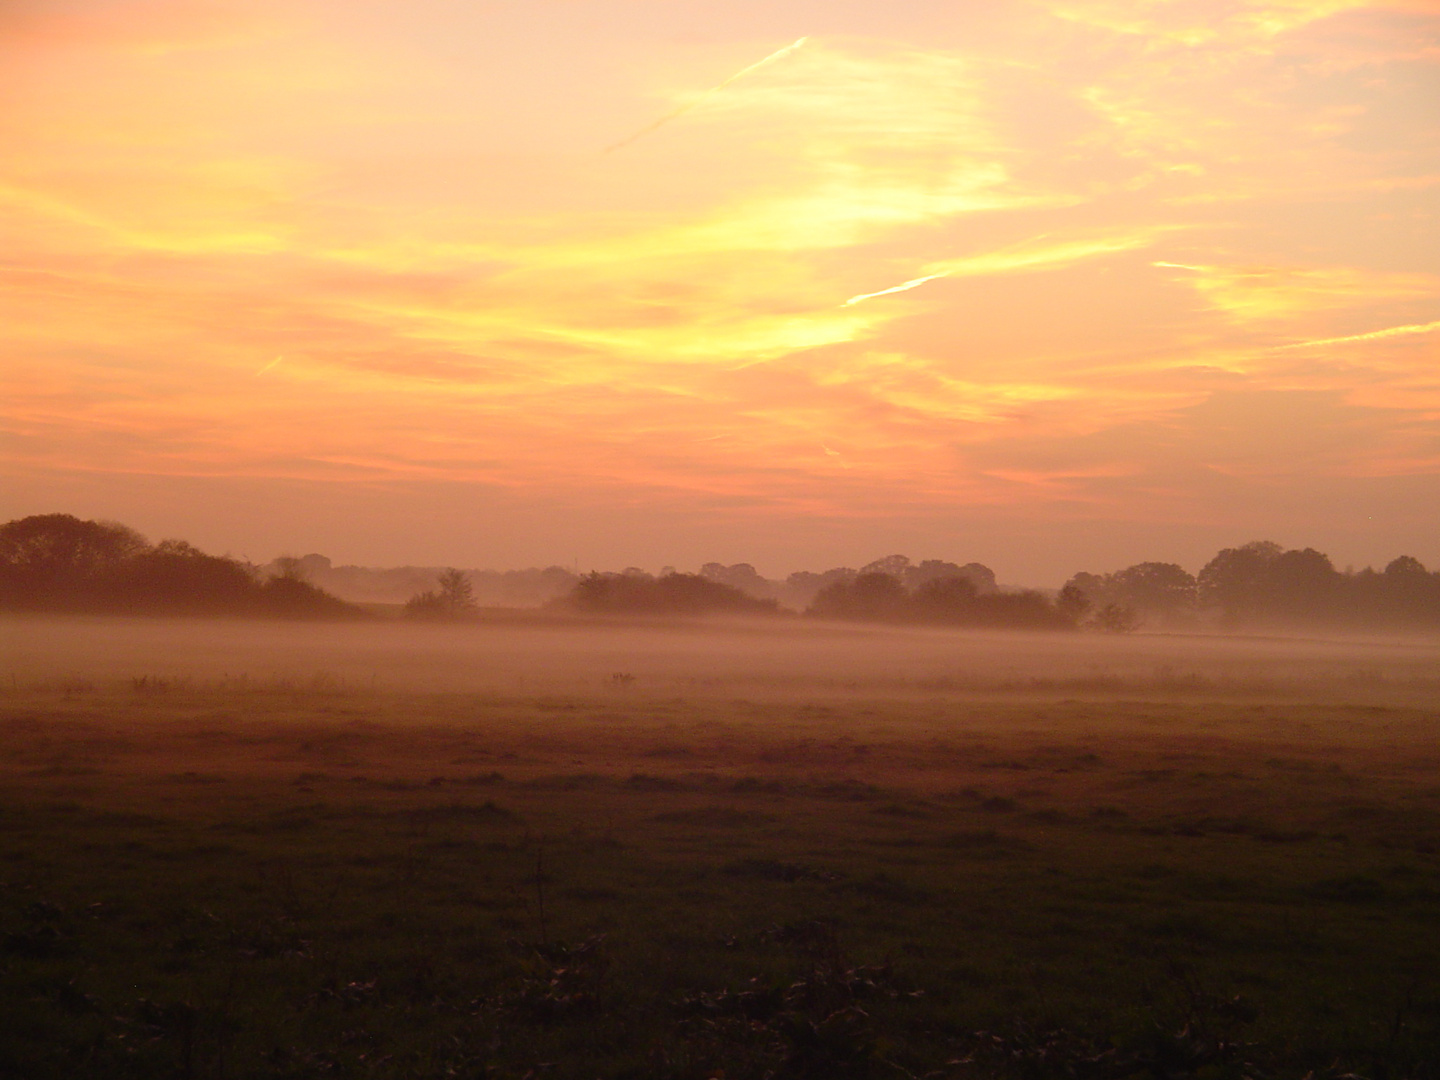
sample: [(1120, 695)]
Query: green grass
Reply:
[(224, 881)]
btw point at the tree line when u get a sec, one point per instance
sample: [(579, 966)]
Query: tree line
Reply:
[(59, 563), (1260, 585)]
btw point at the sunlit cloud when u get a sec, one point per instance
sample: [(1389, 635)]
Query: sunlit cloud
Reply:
[(1371, 335), (1191, 24), (681, 110), (1007, 267), (1270, 292), (1039, 254)]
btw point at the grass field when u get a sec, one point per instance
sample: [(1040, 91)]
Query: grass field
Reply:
[(657, 852)]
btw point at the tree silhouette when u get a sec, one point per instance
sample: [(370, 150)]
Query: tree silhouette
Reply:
[(456, 593), (453, 599), (1072, 602), (1234, 581), (870, 596), (956, 600), (1156, 588), (1116, 619), (638, 593), (57, 562), (1163, 592)]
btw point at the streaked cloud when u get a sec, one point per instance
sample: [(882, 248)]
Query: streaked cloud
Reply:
[(1369, 335), (1272, 292), (1046, 264), (700, 99)]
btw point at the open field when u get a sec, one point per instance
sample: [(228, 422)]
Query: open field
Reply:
[(553, 850)]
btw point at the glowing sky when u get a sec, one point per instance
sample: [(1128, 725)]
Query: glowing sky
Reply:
[(1050, 284)]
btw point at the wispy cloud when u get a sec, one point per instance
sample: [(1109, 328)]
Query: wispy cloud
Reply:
[(1042, 253), (681, 110), (1249, 293), (1372, 335), (995, 267)]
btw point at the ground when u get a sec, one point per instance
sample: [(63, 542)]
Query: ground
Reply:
[(864, 870)]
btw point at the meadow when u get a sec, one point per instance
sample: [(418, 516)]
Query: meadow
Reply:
[(553, 848)]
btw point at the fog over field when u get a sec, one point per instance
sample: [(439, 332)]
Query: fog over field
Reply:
[(515, 652)]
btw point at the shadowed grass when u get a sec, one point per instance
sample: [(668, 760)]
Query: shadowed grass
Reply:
[(207, 882)]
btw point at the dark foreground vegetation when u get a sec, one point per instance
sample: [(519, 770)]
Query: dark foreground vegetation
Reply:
[(59, 563), (268, 879)]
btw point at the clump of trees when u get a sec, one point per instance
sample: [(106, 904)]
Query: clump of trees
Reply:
[(1262, 584), (398, 584), (798, 591), (453, 598), (59, 563), (637, 593), (949, 600), (1154, 593)]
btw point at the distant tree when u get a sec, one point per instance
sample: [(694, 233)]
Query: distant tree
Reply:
[(288, 566), (667, 595), (1264, 584), (1406, 568), (52, 561), (870, 595), (956, 599), (1116, 619), (980, 574), (1235, 583), (62, 543), (1406, 594), (947, 600), (919, 575), (1154, 591), (456, 592), (1155, 588), (740, 576), (803, 586), (176, 578), (1303, 586), (56, 562), (453, 599), (1072, 602), (895, 566), (1023, 610)]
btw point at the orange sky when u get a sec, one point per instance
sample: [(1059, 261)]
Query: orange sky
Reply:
[(1054, 285)]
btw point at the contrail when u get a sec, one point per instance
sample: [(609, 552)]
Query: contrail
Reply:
[(270, 365), (906, 287), (778, 54), (1393, 331), (1020, 257)]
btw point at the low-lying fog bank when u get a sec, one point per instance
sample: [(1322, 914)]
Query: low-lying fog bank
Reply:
[(741, 657)]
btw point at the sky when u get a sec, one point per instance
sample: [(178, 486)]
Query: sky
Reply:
[(1048, 284)]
